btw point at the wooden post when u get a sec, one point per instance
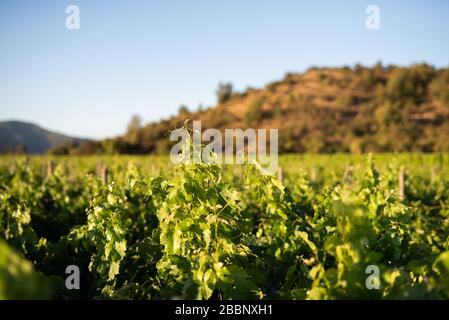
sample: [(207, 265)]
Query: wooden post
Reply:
[(70, 178), (153, 170), (432, 174), (104, 174), (147, 166), (43, 169), (313, 174), (13, 167), (50, 168), (347, 172), (99, 167), (67, 172), (281, 174), (401, 182)]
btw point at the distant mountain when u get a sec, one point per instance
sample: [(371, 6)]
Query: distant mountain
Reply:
[(17, 136)]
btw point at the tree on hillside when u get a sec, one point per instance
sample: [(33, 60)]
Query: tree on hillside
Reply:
[(134, 123), (439, 87), (409, 83), (133, 132), (254, 112), (224, 92), (183, 110)]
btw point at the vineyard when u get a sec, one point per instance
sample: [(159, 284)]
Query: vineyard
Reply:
[(141, 228)]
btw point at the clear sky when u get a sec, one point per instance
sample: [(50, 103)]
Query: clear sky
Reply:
[(149, 57)]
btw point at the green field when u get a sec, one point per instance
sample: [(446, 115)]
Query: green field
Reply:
[(139, 227)]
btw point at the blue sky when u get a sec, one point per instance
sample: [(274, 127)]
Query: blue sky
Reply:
[(149, 57)]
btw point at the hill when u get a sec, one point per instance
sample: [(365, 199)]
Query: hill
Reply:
[(22, 137), (359, 109)]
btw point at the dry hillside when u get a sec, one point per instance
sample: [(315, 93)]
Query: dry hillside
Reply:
[(345, 109)]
